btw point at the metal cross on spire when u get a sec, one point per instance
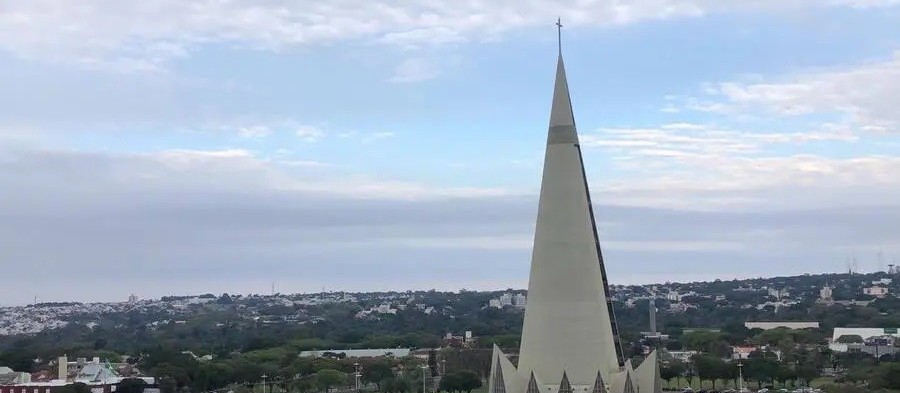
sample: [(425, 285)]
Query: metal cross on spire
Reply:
[(559, 33)]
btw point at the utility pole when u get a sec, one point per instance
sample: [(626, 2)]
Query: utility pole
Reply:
[(740, 376), (264, 376), (356, 375)]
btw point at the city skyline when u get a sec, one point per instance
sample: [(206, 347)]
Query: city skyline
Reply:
[(398, 146)]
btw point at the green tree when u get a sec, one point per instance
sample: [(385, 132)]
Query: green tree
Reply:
[(761, 369), (843, 388), (806, 372), (131, 385), (888, 376), (377, 371), (173, 372), (468, 381), (449, 383), (22, 361), (403, 385), (707, 342), (850, 339), (303, 384), (709, 368), (388, 385), (672, 370), (462, 381), (328, 378), (784, 374), (77, 387), (167, 384)]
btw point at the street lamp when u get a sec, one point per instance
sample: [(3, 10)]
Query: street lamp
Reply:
[(356, 375), (424, 367), (740, 376)]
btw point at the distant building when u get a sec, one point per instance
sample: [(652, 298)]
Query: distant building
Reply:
[(779, 293), (506, 299), (863, 333), (10, 377), (99, 376), (381, 309), (877, 291), (684, 356), (742, 353), (132, 299), (509, 299), (521, 300), (826, 294), (467, 340), (776, 325)]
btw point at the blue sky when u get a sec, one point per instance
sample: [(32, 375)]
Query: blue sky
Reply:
[(219, 145)]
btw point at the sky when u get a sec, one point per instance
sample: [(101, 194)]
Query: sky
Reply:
[(167, 147)]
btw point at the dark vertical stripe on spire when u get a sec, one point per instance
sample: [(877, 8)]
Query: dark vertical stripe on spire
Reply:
[(620, 353)]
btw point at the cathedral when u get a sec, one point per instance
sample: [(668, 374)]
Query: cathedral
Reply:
[(569, 338)]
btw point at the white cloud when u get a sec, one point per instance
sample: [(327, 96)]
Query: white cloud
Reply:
[(309, 133), (415, 70), (377, 136), (136, 36), (706, 167), (702, 139), (827, 163), (304, 163), (257, 131), (221, 218), (863, 96)]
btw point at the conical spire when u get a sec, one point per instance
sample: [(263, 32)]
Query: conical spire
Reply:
[(565, 386), (599, 385), (561, 110), (568, 321), (532, 385)]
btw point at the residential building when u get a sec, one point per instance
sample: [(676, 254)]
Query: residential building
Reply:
[(521, 300), (877, 291), (506, 299)]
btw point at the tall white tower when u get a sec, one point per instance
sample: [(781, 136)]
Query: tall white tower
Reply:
[(569, 336)]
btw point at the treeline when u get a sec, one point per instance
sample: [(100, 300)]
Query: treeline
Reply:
[(765, 369), (282, 368)]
